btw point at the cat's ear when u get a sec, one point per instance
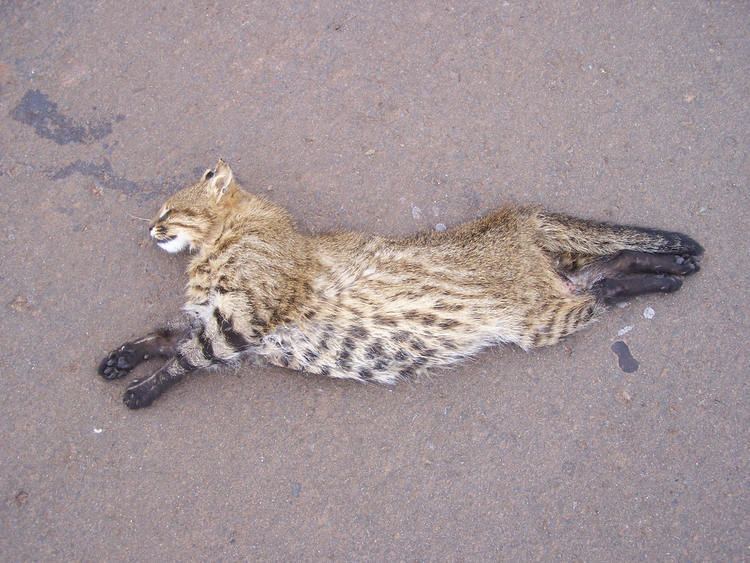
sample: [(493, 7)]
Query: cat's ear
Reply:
[(221, 179)]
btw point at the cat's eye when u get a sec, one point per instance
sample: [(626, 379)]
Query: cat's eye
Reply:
[(164, 214)]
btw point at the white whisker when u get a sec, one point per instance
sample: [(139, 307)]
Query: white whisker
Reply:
[(136, 217)]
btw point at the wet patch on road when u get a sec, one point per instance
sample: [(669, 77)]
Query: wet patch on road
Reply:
[(38, 111), (625, 359), (102, 173), (105, 177)]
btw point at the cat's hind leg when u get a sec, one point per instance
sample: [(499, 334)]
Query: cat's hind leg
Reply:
[(612, 290), (635, 262)]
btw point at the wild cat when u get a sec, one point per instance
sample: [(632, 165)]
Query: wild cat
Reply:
[(381, 309)]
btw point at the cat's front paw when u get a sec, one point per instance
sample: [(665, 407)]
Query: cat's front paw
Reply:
[(140, 394), (118, 363)]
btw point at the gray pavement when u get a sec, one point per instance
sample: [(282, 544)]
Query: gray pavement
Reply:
[(387, 117)]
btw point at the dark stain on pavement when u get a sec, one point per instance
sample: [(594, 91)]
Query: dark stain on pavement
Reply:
[(102, 173), (625, 359), (105, 176), (38, 111)]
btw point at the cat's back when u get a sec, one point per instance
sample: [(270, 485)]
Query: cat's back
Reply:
[(383, 308), (486, 254)]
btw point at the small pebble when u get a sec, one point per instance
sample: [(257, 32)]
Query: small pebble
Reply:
[(98, 430), (624, 330), (416, 212), (21, 304), (625, 397), (440, 227), (649, 313)]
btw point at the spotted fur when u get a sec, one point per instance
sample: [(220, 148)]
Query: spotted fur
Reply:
[(380, 309)]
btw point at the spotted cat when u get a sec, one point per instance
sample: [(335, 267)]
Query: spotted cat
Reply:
[(382, 309)]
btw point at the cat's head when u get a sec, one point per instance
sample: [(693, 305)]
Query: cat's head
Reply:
[(190, 215)]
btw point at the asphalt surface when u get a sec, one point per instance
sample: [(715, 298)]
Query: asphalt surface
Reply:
[(386, 117)]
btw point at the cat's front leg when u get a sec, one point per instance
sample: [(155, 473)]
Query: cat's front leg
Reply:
[(161, 343), (141, 393), (191, 353), (216, 343)]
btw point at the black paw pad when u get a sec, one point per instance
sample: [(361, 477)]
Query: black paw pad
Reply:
[(118, 363), (139, 395)]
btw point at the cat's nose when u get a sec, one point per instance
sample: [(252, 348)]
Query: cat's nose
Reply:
[(151, 228)]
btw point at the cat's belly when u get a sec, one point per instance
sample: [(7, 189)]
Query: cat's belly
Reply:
[(374, 353)]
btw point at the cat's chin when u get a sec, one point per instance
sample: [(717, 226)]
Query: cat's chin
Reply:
[(175, 245)]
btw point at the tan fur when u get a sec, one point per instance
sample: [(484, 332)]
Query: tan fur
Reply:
[(373, 308), (380, 309)]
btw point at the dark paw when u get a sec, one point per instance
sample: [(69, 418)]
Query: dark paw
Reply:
[(686, 265), (668, 284), (612, 290), (139, 395), (118, 363)]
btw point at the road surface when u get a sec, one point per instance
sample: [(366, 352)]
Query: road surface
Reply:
[(390, 118)]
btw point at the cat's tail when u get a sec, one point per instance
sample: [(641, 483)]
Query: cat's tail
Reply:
[(561, 234)]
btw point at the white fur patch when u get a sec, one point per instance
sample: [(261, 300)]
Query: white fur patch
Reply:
[(177, 244)]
